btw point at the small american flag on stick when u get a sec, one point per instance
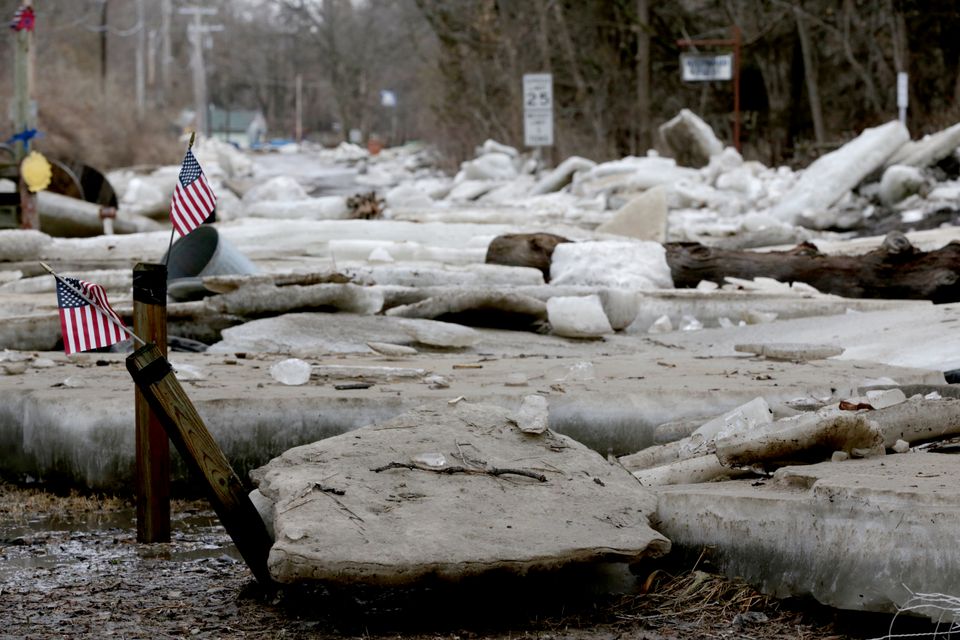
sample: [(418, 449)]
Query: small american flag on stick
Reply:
[(86, 326), (193, 199)]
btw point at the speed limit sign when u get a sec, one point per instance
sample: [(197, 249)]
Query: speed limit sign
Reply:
[(538, 109)]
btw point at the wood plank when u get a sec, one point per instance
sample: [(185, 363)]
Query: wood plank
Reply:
[(154, 377)]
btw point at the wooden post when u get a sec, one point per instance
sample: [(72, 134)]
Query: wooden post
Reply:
[(153, 447), (153, 376)]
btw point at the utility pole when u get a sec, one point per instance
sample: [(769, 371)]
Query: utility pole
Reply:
[(103, 46), (140, 61), (25, 117), (299, 100), (24, 110), (195, 32), (166, 54)]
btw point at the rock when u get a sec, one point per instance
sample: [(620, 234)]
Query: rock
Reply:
[(440, 334), (560, 177), (900, 181), (644, 217), (690, 140), (578, 317), (340, 520), (625, 265), (833, 175)]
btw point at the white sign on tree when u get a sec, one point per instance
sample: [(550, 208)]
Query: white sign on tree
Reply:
[(538, 109)]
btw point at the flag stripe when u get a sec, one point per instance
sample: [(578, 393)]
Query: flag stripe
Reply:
[(84, 325), (193, 200)]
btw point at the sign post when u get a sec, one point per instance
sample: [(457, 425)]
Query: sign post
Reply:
[(903, 96), (538, 110), (704, 68)]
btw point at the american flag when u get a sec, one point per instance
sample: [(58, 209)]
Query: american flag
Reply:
[(23, 19), (193, 199), (86, 326)]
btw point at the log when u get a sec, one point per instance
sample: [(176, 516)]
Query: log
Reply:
[(897, 270), (524, 250), (65, 216)]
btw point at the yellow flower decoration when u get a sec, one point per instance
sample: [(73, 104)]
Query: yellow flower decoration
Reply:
[(36, 171)]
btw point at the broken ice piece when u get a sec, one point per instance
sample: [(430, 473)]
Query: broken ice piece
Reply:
[(885, 398), (533, 413), (661, 325), (516, 379), (707, 285), (380, 254), (432, 460), (690, 323), (13, 368), (759, 317), (187, 371), (42, 363), (839, 456), (437, 382), (292, 372), (933, 395), (725, 322), (74, 382), (901, 446), (387, 349)]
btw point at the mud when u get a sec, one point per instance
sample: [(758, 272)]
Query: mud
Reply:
[(70, 567)]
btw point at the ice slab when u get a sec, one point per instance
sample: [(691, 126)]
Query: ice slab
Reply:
[(858, 534), (561, 176), (831, 176), (22, 244), (923, 337), (644, 217), (343, 515)]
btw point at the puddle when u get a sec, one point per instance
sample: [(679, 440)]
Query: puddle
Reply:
[(58, 549)]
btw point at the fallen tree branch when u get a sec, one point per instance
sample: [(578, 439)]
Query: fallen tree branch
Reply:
[(492, 471)]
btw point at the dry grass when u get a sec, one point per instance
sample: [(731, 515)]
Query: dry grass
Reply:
[(81, 122)]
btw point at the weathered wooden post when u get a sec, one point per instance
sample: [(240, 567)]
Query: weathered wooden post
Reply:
[(154, 378), (152, 444), (24, 116)]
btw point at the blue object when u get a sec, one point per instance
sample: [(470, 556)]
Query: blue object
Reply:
[(25, 136)]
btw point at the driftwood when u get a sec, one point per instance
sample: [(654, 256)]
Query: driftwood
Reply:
[(524, 250), (897, 270)]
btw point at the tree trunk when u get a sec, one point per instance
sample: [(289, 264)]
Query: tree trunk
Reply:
[(896, 270), (810, 75), (643, 76)]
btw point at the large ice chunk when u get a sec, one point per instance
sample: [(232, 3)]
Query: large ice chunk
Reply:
[(691, 140), (578, 317), (830, 178), (625, 265)]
